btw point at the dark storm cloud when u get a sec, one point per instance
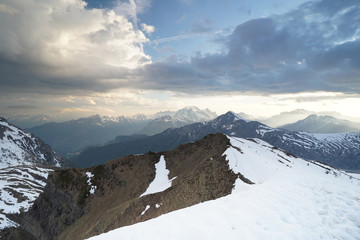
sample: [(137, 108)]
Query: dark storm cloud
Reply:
[(315, 47), (22, 107)]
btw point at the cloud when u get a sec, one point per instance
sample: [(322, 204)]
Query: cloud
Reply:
[(63, 45), (7, 9), (147, 28), (75, 50), (22, 107), (315, 47), (201, 26)]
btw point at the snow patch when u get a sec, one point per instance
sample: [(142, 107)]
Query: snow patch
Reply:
[(264, 129), (146, 208), (93, 188), (161, 181)]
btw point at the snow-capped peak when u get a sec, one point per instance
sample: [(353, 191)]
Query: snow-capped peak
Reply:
[(188, 114), (238, 117)]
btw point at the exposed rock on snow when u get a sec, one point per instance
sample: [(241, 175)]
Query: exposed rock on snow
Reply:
[(21, 148), (19, 187)]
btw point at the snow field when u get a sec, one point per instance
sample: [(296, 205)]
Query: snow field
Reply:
[(292, 199)]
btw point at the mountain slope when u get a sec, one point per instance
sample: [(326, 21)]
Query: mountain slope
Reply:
[(71, 136), (21, 148), (19, 187), (80, 203), (322, 124), (339, 150), (293, 199)]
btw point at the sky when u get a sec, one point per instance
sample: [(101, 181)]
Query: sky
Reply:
[(75, 58)]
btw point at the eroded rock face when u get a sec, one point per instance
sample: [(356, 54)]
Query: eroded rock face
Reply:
[(80, 203), (58, 206)]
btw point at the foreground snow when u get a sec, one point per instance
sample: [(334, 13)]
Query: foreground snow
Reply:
[(291, 199)]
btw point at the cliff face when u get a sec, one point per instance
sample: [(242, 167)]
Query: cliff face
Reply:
[(58, 206), (80, 203)]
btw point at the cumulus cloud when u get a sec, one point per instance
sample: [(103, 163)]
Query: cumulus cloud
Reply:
[(147, 28), (63, 44)]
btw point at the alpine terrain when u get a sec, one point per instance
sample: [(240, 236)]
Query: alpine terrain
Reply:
[(339, 150), (218, 187), (323, 124), (71, 136), (291, 199), (25, 162)]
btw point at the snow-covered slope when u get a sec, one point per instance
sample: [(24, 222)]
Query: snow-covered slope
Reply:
[(18, 147), (19, 187), (291, 199)]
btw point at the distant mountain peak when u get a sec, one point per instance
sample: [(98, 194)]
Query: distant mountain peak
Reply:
[(322, 124), (238, 117), (194, 108), (179, 118)]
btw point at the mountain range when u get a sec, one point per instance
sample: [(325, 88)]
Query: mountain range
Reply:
[(175, 119), (72, 136), (323, 124), (289, 117), (339, 150), (257, 191)]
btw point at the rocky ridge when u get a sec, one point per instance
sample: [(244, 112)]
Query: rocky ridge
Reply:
[(79, 203)]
